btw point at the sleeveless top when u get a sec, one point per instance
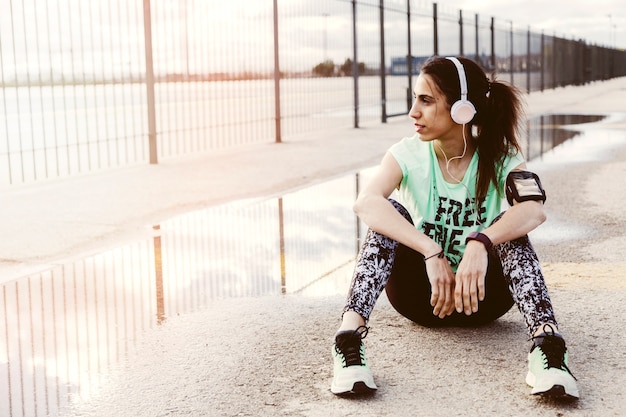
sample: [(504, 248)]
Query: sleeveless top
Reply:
[(446, 212)]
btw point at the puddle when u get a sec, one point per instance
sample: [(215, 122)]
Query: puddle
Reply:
[(546, 132), (584, 143), (587, 142), (64, 327)]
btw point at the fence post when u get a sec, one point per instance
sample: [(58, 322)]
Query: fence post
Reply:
[(460, 32), (435, 39), (586, 63), (543, 60), (554, 52), (357, 191), (276, 78), (383, 86), (476, 45), (147, 28), (512, 63), (528, 58), (355, 67), (581, 62), (409, 59), (492, 59)]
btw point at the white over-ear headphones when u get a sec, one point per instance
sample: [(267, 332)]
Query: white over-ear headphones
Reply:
[(463, 110)]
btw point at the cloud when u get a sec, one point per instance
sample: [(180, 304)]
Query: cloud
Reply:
[(572, 19)]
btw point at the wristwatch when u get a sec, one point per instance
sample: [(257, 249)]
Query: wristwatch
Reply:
[(482, 238)]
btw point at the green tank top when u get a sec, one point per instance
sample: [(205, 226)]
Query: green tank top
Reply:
[(446, 212)]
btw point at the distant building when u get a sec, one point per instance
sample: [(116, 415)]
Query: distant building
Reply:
[(399, 65)]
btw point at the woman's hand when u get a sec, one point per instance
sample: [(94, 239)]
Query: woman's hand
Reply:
[(441, 280), (470, 278)]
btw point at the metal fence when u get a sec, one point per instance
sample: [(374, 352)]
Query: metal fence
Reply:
[(96, 85)]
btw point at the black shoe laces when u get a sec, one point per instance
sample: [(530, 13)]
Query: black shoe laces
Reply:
[(553, 348), (348, 344)]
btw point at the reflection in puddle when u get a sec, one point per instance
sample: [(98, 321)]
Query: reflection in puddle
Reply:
[(64, 327), (546, 132), (590, 143), (256, 248)]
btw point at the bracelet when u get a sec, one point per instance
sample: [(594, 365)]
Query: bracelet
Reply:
[(438, 255)]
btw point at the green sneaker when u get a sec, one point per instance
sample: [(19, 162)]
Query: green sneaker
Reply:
[(548, 373), (351, 375)]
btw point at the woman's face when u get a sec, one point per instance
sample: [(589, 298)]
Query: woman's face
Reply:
[(430, 111)]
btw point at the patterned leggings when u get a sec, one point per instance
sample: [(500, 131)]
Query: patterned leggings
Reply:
[(513, 276)]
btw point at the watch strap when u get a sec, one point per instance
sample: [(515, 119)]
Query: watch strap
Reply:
[(481, 237)]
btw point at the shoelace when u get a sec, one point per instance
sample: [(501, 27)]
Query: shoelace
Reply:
[(553, 348), (350, 347)]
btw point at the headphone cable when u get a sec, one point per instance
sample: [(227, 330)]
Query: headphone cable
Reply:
[(469, 194)]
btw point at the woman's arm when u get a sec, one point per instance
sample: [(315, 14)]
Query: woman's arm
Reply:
[(517, 221), (374, 208)]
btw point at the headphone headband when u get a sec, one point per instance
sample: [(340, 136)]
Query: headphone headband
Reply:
[(463, 111), (462, 79)]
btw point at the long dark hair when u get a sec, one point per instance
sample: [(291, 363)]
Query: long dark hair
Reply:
[(498, 111)]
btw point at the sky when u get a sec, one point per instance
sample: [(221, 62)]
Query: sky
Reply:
[(602, 22)]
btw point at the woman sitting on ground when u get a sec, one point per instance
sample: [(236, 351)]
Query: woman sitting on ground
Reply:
[(446, 253)]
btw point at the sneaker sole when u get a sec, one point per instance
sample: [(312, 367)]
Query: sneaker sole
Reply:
[(358, 387), (556, 390)]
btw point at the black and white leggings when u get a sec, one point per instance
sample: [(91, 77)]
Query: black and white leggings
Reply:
[(513, 276)]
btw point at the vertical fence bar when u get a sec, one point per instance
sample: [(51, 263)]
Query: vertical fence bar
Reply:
[(383, 85), (27, 56), (554, 49), (147, 24), (409, 58), (492, 60), (512, 58), (6, 124), (543, 61), (18, 106), (355, 66), (37, 26), (476, 45), (435, 39), (586, 64), (580, 50), (357, 191), (528, 62), (278, 133), (461, 53)]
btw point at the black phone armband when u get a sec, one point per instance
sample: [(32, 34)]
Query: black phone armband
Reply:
[(523, 186)]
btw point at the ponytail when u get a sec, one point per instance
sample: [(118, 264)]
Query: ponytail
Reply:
[(498, 132)]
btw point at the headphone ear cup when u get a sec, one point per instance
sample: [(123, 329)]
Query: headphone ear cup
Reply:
[(462, 112)]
